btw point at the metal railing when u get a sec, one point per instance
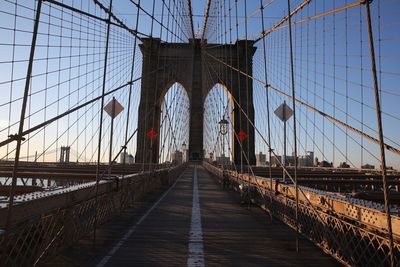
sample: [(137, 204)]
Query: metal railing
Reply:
[(352, 231), (44, 225)]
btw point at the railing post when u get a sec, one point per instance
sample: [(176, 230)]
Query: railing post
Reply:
[(380, 132)]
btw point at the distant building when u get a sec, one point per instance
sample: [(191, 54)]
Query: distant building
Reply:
[(223, 160), (177, 157), (368, 166), (324, 163), (388, 168), (344, 165), (261, 159), (302, 160), (275, 160), (306, 160), (278, 161), (126, 158), (64, 154), (316, 162)]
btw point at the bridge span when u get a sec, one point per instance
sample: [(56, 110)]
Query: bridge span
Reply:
[(268, 135), (195, 223), (195, 214)]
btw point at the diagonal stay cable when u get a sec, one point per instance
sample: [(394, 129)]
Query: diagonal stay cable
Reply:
[(49, 121), (206, 16), (210, 66), (191, 17), (323, 114)]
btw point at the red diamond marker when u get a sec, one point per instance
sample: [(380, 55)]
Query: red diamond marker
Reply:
[(151, 134), (241, 135)]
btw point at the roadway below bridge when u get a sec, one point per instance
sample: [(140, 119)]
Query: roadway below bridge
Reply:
[(193, 223)]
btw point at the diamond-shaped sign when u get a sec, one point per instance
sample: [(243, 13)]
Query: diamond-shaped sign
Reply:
[(242, 135), (151, 134), (284, 112), (118, 108)]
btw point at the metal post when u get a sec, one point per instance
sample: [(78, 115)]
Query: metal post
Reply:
[(111, 138), (34, 179), (284, 144), (380, 132), (19, 138), (223, 160)]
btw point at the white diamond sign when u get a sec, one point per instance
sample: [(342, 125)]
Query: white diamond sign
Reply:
[(118, 108), (284, 112)]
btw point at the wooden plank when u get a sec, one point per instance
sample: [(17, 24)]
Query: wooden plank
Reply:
[(233, 235)]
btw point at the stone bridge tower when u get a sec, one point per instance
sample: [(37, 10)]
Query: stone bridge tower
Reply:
[(197, 69)]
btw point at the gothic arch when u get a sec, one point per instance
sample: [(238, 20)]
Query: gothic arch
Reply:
[(168, 86), (190, 65)]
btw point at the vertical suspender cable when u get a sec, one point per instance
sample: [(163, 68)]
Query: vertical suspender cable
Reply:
[(294, 126), (268, 115), (129, 99), (164, 78), (238, 82), (361, 90), (150, 59), (380, 131), (334, 86), (191, 18), (101, 120), (247, 83)]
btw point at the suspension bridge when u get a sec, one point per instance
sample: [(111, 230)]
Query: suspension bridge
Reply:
[(218, 132)]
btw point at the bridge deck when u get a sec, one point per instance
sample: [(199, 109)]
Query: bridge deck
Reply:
[(159, 234)]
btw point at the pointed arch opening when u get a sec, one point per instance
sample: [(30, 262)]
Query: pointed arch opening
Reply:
[(174, 124), (218, 109)]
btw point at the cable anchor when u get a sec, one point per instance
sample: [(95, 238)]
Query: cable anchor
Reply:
[(16, 137)]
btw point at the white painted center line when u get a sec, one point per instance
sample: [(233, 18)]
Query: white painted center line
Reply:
[(111, 253), (196, 254)]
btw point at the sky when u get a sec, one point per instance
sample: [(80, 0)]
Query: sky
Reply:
[(331, 63)]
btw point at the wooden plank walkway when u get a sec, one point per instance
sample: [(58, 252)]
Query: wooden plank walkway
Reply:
[(160, 232)]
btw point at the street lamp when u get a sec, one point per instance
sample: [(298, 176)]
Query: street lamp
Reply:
[(223, 130), (223, 126)]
